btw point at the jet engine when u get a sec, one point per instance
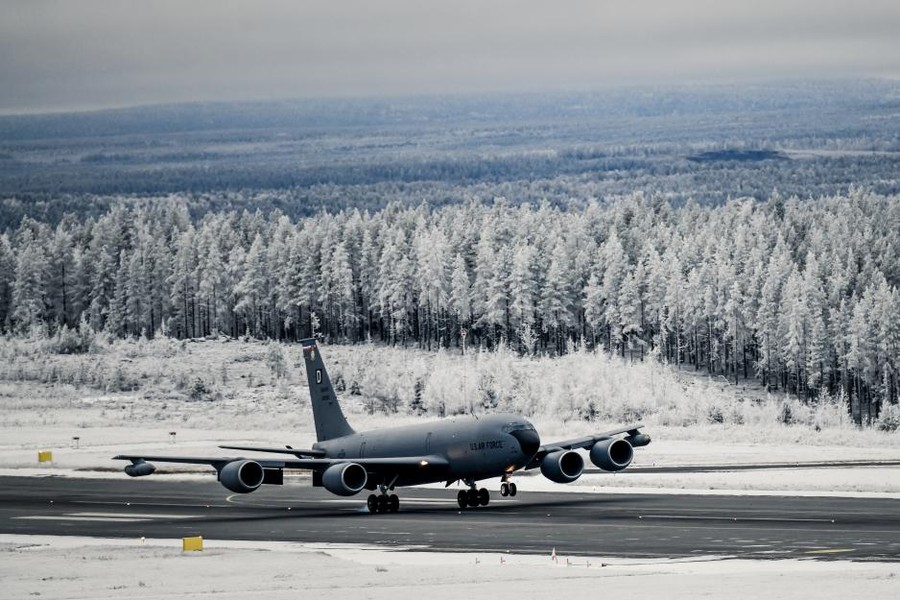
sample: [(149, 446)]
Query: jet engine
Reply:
[(638, 439), (242, 476), (562, 466), (612, 455), (139, 468), (345, 479)]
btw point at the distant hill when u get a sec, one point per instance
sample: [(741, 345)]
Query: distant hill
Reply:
[(299, 157)]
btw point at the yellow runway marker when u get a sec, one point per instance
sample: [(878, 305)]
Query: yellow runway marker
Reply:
[(192, 544)]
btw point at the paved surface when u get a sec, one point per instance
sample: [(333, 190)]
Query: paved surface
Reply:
[(621, 525), (830, 464)]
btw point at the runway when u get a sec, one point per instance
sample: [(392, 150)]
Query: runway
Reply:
[(614, 525)]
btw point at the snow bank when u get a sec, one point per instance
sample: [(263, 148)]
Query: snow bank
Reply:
[(70, 567)]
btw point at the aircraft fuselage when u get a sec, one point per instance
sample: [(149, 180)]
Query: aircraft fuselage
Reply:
[(474, 448)]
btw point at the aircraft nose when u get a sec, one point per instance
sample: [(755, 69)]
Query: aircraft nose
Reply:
[(529, 441)]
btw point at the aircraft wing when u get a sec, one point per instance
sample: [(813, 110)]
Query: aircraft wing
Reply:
[(589, 440), (298, 452), (400, 463), (634, 436)]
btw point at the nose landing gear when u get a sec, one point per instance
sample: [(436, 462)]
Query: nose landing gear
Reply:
[(508, 489)]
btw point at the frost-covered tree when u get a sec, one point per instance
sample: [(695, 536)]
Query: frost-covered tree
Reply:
[(522, 289), (593, 305), (30, 288), (252, 289), (555, 295), (182, 285), (460, 296), (7, 281), (801, 294)]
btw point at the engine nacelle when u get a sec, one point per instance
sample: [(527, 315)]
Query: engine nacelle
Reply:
[(139, 468), (242, 476), (345, 479), (637, 440), (612, 455), (562, 466)]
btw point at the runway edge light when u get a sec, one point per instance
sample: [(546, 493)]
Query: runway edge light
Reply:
[(45, 456), (192, 544)]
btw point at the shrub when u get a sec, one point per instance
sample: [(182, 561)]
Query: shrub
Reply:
[(889, 419), (787, 414), (71, 341), (199, 391), (275, 361)]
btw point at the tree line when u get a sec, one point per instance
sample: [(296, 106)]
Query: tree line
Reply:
[(799, 295)]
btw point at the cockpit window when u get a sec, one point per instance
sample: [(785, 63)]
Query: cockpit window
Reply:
[(510, 427)]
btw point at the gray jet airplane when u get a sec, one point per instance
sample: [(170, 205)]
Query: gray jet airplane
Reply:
[(466, 449)]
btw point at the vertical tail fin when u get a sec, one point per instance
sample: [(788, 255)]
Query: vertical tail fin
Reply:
[(330, 420)]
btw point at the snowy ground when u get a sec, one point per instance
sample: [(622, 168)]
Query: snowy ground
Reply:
[(46, 401), (76, 568)]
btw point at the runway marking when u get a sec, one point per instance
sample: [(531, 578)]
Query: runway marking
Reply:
[(738, 519), (134, 515), (153, 504), (73, 518), (406, 501), (104, 517), (707, 511)]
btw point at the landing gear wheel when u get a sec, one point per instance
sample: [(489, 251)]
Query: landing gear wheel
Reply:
[(512, 489), (382, 503), (462, 498), (472, 497), (484, 497), (372, 503), (504, 489), (393, 503)]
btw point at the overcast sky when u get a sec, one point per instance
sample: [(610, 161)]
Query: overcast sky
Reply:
[(62, 54)]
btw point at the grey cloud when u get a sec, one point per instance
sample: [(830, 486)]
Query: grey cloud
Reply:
[(59, 54)]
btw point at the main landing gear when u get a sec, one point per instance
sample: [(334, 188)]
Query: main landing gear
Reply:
[(383, 503), (507, 489), (473, 497)]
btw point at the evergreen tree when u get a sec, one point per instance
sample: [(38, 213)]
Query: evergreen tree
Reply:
[(7, 282), (251, 291), (522, 291), (460, 294), (554, 298), (181, 285), (62, 274), (593, 305), (102, 286), (116, 315), (30, 288)]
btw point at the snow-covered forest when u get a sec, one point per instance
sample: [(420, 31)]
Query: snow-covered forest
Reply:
[(801, 295)]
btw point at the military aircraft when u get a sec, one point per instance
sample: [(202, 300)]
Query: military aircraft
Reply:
[(461, 449)]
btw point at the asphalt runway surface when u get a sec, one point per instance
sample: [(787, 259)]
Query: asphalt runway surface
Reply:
[(612, 525)]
